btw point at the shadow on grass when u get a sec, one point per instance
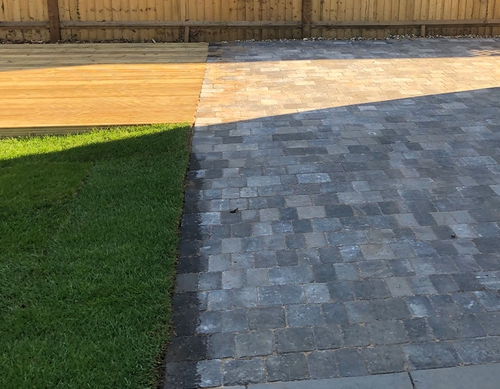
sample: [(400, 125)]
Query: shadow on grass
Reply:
[(89, 237), (111, 144)]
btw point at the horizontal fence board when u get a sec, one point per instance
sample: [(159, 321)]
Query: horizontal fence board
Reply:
[(21, 25), (155, 24), (384, 23)]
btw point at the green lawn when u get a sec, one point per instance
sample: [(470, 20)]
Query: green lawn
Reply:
[(88, 240)]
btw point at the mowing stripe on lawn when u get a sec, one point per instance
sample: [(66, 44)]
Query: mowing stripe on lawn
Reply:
[(88, 238)]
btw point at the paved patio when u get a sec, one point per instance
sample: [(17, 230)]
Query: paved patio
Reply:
[(341, 214)]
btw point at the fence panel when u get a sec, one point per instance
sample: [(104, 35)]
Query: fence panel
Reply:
[(221, 20), (28, 18)]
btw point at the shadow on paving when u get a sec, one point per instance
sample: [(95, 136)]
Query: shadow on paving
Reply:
[(366, 241), (345, 49)]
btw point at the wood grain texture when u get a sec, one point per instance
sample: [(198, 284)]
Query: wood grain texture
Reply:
[(56, 88), (220, 20)]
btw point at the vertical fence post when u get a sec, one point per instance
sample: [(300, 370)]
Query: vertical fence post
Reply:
[(184, 17), (306, 18), (54, 22)]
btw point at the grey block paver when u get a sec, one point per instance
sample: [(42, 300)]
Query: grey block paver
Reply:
[(387, 332), (359, 311), (243, 372), (350, 362), (399, 286), (295, 339), (317, 293), (250, 344), (220, 345), (304, 315), (329, 337), (431, 355), (266, 318), (366, 234), (210, 373), (356, 335), (322, 364), (287, 367), (384, 359)]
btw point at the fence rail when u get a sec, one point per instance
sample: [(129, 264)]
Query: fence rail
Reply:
[(216, 20)]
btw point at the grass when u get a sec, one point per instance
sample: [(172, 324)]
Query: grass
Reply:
[(88, 240)]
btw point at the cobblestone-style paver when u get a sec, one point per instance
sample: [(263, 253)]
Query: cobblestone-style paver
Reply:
[(342, 213)]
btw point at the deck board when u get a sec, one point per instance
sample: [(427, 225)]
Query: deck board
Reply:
[(64, 88)]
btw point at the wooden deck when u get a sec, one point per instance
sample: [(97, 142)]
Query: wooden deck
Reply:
[(68, 87)]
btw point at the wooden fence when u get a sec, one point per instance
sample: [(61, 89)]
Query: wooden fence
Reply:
[(219, 20)]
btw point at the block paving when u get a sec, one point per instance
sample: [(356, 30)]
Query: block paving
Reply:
[(342, 213)]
